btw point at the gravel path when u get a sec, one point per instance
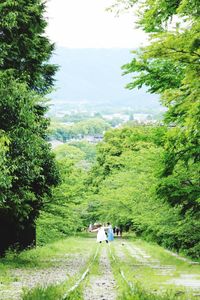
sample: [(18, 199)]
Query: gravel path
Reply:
[(62, 269), (102, 286)]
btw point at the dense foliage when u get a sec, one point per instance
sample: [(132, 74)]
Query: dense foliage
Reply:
[(64, 216), (4, 171), (28, 159), (169, 66), (28, 169), (24, 47), (124, 186), (90, 127)]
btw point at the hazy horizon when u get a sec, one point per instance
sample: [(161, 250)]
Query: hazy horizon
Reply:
[(94, 75)]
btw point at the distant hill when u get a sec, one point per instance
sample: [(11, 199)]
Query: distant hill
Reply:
[(94, 75)]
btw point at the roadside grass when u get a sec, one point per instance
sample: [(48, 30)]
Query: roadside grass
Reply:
[(85, 234), (164, 254), (56, 292), (42, 256), (52, 292), (141, 273), (140, 294), (165, 258), (141, 283), (5, 277)]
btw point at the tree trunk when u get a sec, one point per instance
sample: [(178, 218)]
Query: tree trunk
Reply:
[(14, 235)]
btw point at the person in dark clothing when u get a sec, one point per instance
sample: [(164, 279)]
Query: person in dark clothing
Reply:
[(120, 230), (117, 231)]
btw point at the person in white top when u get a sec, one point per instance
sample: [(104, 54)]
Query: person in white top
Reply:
[(101, 235)]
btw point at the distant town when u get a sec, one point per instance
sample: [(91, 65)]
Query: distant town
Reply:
[(83, 121)]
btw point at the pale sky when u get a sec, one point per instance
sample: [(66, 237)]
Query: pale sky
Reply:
[(86, 24)]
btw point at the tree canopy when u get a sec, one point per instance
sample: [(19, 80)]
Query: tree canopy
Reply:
[(169, 66), (24, 47)]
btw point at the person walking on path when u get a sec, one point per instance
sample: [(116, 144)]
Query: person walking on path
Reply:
[(110, 233), (120, 230), (101, 235), (117, 231)]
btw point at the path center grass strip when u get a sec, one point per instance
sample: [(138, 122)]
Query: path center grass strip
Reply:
[(76, 285)]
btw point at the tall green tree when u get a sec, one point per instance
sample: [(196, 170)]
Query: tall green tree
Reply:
[(124, 174), (29, 163), (26, 76)]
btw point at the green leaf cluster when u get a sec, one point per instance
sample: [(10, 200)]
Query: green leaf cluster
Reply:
[(5, 179), (24, 47), (28, 161)]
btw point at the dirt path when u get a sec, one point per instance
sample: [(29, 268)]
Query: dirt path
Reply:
[(62, 269), (103, 285)]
